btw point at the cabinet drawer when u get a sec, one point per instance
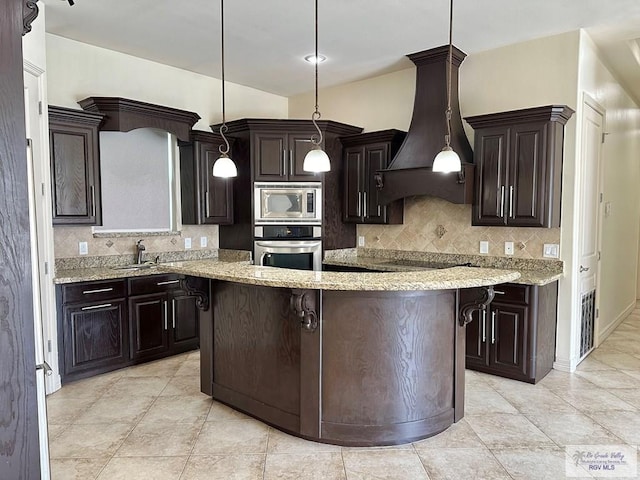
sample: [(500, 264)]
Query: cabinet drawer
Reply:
[(512, 293), (93, 291), (154, 284)]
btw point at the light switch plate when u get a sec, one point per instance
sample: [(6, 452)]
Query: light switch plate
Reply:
[(361, 241), (203, 242), (83, 248), (607, 209), (187, 242), (508, 248), (484, 246), (551, 250)]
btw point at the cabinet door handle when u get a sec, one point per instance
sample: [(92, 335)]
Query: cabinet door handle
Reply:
[(359, 204), (498, 292), (484, 326), (97, 290), (284, 162), (511, 201), (93, 200), (166, 314), (173, 312), (493, 327), (167, 282), (502, 201), (291, 165), (95, 307), (364, 202), (206, 203)]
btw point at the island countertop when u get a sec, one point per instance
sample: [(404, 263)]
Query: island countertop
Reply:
[(243, 272)]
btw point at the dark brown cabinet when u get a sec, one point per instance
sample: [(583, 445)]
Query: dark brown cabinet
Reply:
[(93, 328), (75, 166), (515, 336), (279, 156), (106, 325), (364, 155), (163, 319), (518, 157), (205, 199)]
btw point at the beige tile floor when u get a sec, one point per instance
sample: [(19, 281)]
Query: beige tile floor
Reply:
[(151, 422)]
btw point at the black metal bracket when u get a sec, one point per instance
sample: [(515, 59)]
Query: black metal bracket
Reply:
[(461, 176), (466, 310), (202, 297), (303, 303)]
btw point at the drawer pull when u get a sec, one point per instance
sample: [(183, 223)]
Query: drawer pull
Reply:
[(168, 282), (98, 290), (95, 307)]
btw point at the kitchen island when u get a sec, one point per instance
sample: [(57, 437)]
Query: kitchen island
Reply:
[(356, 359)]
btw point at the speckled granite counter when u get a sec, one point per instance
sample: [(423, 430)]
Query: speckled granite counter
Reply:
[(242, 272)]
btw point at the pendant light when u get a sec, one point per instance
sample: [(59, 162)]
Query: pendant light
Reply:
[(223, 166), (447, 160), (316, 160)]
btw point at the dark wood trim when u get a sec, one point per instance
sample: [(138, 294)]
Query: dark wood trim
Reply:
[(289, 125), (19, 441), (30, 12), (311, 377), (389, 135), (124, 115), (553, 113), (73, 115)]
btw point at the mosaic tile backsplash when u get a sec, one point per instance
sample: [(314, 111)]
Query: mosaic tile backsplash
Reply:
[(435, 225)]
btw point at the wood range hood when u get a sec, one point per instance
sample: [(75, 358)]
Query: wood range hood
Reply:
[(410, 172)]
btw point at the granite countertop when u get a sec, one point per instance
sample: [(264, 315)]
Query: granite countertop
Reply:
[(243, 272)]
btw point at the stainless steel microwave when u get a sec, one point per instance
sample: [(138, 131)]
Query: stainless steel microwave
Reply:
[(287, 203)]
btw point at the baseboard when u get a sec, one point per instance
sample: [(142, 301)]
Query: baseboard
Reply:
[(565, 365), (53, 383), (602, 336)]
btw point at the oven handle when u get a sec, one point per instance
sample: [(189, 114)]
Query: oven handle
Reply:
[(287, 244)]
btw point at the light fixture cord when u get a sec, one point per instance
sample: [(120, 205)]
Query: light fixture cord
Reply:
[(316, 114), (223, 128), (447, 138)]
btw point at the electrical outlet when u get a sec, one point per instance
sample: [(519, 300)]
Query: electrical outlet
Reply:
[(83, 248), (203, 242), (508, 248), (551, 250), (187, 242), (484, 246), (361, 241)]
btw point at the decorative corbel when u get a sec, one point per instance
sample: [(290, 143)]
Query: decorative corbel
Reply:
[(303, 303), (202, 297), (29, 14), (488, 293)]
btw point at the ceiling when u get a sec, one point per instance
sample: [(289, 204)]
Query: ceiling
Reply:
[(266, 40)]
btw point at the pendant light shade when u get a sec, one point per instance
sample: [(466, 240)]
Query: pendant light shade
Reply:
[(447, 160), (223, 166), (316, 160)]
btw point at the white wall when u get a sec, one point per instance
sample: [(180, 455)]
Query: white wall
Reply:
[(78, 70), (621, 177)]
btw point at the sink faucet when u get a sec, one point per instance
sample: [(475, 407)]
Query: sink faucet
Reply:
[(139, 249)]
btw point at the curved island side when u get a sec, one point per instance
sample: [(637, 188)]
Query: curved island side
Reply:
[(358, 359)]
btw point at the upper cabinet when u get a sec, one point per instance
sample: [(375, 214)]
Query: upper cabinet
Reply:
[(518, 158), (364, 155), (278, 156), (205, 199), (75, 166)]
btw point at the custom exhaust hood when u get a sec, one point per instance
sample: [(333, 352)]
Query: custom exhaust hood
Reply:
[(410, 171)]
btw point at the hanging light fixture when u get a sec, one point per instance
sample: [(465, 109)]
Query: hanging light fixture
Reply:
[(316, 160), (223, 166), (447, 160)]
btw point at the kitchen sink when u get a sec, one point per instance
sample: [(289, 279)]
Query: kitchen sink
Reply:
[(136, 266)]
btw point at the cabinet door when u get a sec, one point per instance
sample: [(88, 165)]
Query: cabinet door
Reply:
[(475, 332), (491, 150), (508, 339), (353, 174), (376, 158), (268, 151), (149, 324), (94, 336), (528, 188), (74, 174), (217, 195), (299, 146), (185, 332)]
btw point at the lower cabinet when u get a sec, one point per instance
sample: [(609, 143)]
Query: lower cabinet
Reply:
[(106, 325), (515, 336)]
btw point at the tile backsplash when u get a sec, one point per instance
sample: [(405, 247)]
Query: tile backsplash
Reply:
[(66, 241), (435, 225)]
